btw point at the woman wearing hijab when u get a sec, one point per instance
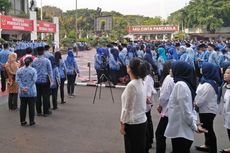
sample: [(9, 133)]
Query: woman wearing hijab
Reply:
[(62, 71), (26, 77), (56, 83), (114, 65), (12, 86), (133, 118), (71, 71), (226, 101), (206, 101), (161, 59), (181, 114)]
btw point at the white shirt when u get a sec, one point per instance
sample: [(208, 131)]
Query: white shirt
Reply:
[(182, 117), (133, 101), (206, 99), (226, 111), (165, 93), (149, 90)]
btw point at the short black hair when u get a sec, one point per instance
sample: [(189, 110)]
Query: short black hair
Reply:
[(213, 46), (138, 68), (5, 45), (47, 47), (40, 50), (29, 50), (177, 45)]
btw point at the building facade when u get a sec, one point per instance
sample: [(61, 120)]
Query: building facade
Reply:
[(19, 7)]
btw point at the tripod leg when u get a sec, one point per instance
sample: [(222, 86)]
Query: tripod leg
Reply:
[(100, 91), (111, 91), (95, 93)]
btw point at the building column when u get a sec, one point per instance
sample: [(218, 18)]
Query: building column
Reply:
[(156, 37), (56, 34), (33, 34)]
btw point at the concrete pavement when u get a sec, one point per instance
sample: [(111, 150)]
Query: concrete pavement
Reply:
[(78, 127)]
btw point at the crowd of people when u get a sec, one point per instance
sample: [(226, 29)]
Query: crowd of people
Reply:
[(194, 81), (199, 70), (115, 57), (35, 79)]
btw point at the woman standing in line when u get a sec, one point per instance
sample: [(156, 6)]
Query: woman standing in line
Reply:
[(150, 92), (57, 81), (226, 100), (62, 71), (206, 102), (12, 86), (71, 71), (181, 114), (26, 77), (167, 85), (133, 117)]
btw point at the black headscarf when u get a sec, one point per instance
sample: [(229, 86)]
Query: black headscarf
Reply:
[(182, 71)]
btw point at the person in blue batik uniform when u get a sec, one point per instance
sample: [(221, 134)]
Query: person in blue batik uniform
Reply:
[(43, 83), (114, 65), (213, 57), (26, 77), (62, 70), (47, 52), (72, 71), (56, 83), (4, 54)]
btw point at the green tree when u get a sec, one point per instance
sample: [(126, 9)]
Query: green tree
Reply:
[(5, 6)]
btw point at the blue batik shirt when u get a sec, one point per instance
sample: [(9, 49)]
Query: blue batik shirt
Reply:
[(62, 69), (213, 58), (122, 56), (56, 77), (26, 78), (47, 54), (44, 70), (4, 54), (71, 68), (113, 64)]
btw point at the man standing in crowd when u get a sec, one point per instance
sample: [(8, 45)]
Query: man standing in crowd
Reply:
[(43, 83), (4, 54)]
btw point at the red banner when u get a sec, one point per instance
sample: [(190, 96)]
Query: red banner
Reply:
[(46, 27), (152, 28), (18, 24)]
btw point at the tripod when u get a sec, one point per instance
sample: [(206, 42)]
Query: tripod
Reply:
[(101, 79)]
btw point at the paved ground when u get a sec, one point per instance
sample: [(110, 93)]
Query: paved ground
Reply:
[(77, 127)]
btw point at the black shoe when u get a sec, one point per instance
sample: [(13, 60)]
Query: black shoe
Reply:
[(23, 123), (32, 123), (223, 151), (63, 102), (49, 112), (45, 115), (201, 148), (55, 108), (39, 114)]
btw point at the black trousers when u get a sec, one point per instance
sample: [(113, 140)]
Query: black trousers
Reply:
[(210, 137), (228, 130), (181, 145), (160, 138), (114, 75), (54, 92), (71, 83), (13, 101), (149, 131), (135, 138), (27, 101), (3, 81), (43, 98), (62, 90)]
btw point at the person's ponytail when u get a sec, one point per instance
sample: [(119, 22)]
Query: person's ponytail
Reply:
[(28, 61)]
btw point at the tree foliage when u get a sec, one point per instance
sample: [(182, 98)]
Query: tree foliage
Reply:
[(209, 14), (86, 18), (5, 6)]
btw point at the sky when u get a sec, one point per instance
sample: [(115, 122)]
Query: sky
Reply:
[(150, 8)]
